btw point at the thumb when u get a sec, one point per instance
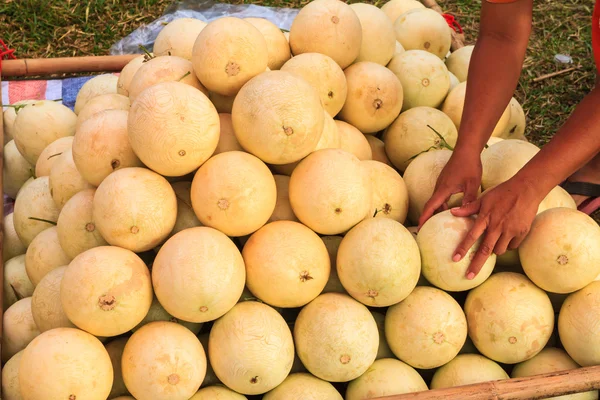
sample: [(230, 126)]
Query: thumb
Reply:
[(466, 210), (470, 194)]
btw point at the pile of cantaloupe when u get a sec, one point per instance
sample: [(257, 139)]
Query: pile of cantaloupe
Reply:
[(233, 217)]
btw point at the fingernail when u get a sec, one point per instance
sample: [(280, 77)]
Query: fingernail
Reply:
[(455, 208), (471, 275), (456, 257)]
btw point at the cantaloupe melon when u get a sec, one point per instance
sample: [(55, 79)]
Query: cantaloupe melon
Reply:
[(16, 283), (228, 53), (227, 139), (98, 85), (12, 245), (427, 329), (515, 129), (378, 36), (35, 210), (76, 227), (336, 337), (106, 291), (173, 128), (395, 8), (40, 124), (331, 136), (177, 37), (424, 78), (283, 209), (163, 360), (48, 156), (46, 307), (514, 329), (234, 192), (303, 386), (115, 348), (18, 328), (9, 117), (558, 197), (287, 127), (378, 262), (163, 69), (353, 141), (210, 378), (217, 393), (192, 294), (110, 101), (329, 27), (454, 82), (17, 170), (386, 377), (332, 243), (414, 132), (44, 254), (455, 102), (325, 75), (423, 29), (557, 262), (389, 193), (186, 218), (289, 256), (375, 97), (278, 47), (438, 239), (501, 161), (378, 150), (158, 313), (65, 180), (65, 363), (384, 350), (241, 362), (135, 208), (11, 390), (223, 104), (330, 191), (128, 72), (467, 369), (458, 62)]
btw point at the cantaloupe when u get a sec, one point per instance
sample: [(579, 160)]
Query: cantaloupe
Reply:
[(389, 193), (46, 307), (110, 101), (384, 350), (386, 377), (12, 245), (438, 239), (98, 85), (378, 262), (557, 262), (424, 78), (177, 37), (76, 228), (427, 329), (378, 150), (173, 128), (283, 209), (458, 62), (9, 116), (163, 360), (325, 75), (218, 393), (454, 82), (303, 386), (558, 197), (65, 363), (375, 97), (278, 47), (18, 328), (423, 29), (501, 161), (353, 141), (44, 254), (115, 348), (223, 104), (65, 180), (158, 313), (378, 37), (330, 191), (514, 329), (331, 136), (234, 192), (577, 324), (227, 139), (467, 369), (128, 72), (35, 210), (186, 218), (48, 156), (228, 53), (40, 124), (329, 27), (414, 132), (241, 362), (455, 102), (11, 390), (336, 337), (135, 208), (106, 291), (515, 129), (17, 170), (332, 243), (27, 182), (163, 69), (210, 378), (399, 49), (16, 283), (395, 8), (287, 127), (289, 256), (192, 294)]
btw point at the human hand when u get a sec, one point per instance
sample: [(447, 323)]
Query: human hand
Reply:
[(504, 216)]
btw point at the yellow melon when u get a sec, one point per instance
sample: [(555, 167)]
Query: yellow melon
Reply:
[(18, 328), (384, 350), (65, 180), (16, 170), (9, 116), (423, 29), (44, 254), (467, 369), (458, 62), (223, 104), (48, 155), (158, 313), (46, 307), (389, 194), (217, 393), (501, 161), (12, 245), (353, 141), (278, 47), (115, 348), (303, 386), (35, 210), (177, 37), (98, 85), (395, 8), (378, 150), (11, 390), (110, 101), (515, 129), (186, 218), (378, 36), (227, 139), (332, 243), (16, 283), (283, 209), (128, 72)]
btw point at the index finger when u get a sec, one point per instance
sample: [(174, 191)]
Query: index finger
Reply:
[(483, 253), (470, 238), (438, 198)]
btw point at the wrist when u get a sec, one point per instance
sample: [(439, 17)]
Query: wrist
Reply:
[(467, 152), (532, 186)]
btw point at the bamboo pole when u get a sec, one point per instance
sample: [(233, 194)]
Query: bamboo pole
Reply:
[(64, 65), (531, 388), (458, 39)]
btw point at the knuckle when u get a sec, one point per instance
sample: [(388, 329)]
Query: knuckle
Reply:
[(485, 249)]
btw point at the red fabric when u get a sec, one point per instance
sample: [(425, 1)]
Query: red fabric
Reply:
[(596, 34), (453, 23)]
